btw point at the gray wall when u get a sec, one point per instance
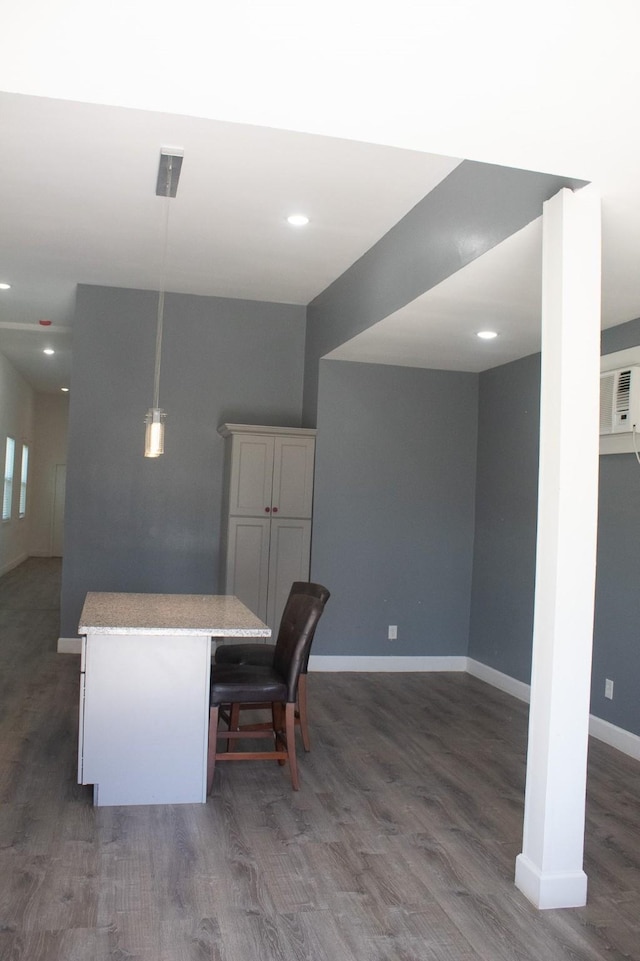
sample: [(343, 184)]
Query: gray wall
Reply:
[(393, 512), (505, 541), (616, 651), (506, 514), (138, 524)]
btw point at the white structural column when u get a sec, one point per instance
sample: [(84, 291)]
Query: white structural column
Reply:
[(549, 871)]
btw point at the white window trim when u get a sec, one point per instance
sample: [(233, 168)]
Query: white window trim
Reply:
[(24, 480), (7, 488)]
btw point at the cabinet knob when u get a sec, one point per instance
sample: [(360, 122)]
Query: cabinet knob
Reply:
[(275, 510), (267, 510)]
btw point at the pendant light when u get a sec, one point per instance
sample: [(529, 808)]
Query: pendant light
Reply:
[(166, 186)]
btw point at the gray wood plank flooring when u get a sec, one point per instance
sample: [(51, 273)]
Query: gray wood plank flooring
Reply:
[(400, 845)]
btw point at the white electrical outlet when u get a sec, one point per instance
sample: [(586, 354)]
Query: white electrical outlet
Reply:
[(393, 632), (608, 688)]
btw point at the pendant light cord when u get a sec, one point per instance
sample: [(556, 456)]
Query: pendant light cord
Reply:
[(163, 272)]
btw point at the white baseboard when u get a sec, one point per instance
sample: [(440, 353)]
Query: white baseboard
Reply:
[(548, 891), (614, 736), (321, 662), (9, 566), (69, 645), (497, 679)]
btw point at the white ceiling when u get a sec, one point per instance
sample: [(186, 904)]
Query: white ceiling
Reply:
[(360, 100), (79, 206)]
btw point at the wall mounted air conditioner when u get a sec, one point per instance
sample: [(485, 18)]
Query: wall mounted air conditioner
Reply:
[(620, 400)]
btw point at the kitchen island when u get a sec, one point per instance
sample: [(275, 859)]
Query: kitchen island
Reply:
[(144, 692)]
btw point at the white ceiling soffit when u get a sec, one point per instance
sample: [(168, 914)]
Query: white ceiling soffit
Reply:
[(499, 291)]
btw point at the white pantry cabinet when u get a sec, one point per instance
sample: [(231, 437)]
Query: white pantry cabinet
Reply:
[(268, 504)]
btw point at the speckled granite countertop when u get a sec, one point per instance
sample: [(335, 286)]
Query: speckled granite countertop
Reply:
[(213, 614)]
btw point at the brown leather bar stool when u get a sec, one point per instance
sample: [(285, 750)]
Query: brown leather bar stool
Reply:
[(276, 685), (262, 655)]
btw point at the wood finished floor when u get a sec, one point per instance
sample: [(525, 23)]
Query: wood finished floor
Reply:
[(400, 845)]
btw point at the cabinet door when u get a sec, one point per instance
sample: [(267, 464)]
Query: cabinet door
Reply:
[(293, 476), (289, 553), (146, 718), (248, 562), (251, 475)]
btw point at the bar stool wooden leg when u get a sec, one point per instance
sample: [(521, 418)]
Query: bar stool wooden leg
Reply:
[(234, 721), (290, 728), (302, 712), (211, 753)]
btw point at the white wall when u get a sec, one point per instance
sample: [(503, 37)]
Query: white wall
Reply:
[(49, 458), (17, 415)]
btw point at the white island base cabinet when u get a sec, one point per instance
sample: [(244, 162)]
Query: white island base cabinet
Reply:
[(144, 692), (144, 714)]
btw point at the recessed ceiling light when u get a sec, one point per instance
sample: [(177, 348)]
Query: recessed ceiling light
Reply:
[(298, 220), (487, 334), (49, 350), (65, 390), (5, 286)]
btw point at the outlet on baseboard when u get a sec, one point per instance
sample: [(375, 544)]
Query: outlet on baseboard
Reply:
[(608, 688), (393, 632)]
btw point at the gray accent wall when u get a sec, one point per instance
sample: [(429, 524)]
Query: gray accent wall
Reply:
[(394, 508), (476, 207), (616, 645), (502, 598), (139, 524), (502, 595), (621, 337)]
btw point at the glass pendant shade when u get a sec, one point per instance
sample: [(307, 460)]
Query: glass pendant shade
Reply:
[(154, 433)]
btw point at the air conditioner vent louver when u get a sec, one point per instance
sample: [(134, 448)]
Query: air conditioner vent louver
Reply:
[(623, 391), (620, 400)]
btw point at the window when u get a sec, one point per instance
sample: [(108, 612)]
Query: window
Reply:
[(7, 495), (24, 473)]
